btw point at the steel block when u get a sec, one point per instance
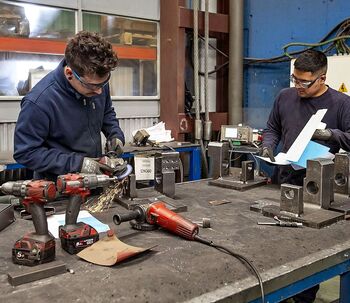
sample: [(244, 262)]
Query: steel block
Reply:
[(131, 190), (247, 173), (219, 159), (342, 173), (318, 183), (292, 199), (164, 177)]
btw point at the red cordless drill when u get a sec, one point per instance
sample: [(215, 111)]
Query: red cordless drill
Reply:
[(75, 236), (38, 247), (158, 214)]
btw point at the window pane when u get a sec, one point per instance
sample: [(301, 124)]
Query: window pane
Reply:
[(32, 43), (35, 21), (20, 72), (135, 42)]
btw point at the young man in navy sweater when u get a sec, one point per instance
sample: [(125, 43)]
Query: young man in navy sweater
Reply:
[(293, 108), (59, 127)]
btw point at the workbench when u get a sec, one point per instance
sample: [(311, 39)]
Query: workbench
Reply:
[(176, 270)]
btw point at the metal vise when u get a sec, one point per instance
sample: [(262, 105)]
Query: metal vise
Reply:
[(318, 183)]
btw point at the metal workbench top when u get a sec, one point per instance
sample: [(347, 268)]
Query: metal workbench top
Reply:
[(178, 270)]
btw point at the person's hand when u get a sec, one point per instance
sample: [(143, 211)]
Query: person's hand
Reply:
[(267, 152), (92, 166), (322, 134), (115, 146)]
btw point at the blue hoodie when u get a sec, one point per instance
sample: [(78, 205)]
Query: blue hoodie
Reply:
[(57, 127)]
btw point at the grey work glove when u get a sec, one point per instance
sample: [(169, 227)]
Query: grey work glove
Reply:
[(114, 146), (92, 166), (322, 134), (267, 152)]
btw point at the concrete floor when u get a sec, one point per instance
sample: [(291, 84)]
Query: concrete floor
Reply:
[(329, 291)]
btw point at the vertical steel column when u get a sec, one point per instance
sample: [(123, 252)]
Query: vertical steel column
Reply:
[(235, 94)]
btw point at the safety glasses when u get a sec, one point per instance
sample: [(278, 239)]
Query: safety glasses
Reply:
[(303, 83), (91, 86)]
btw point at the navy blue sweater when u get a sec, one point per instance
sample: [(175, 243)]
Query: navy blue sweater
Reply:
[(57, 126), (290, 113)]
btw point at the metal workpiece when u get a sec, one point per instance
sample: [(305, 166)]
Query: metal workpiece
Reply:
[(30, 274), (292, 199), (219, 159), (247, 173), (164, 173), (165, 183), (7, 215), (341, 173), (246, 180), (167, 161), (131, 191), (318, 183)]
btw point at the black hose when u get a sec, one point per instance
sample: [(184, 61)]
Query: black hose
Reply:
[(239, 257)]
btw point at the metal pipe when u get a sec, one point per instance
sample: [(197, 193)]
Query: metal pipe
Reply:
[(207, 124), (206, 58), (235, 93), (198, 129), (195, 56)]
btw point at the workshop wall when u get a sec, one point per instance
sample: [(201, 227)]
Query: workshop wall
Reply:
[(269, 25)]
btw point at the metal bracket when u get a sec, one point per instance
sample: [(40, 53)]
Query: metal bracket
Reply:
[(318, 183), (342, 173), (292, 199)]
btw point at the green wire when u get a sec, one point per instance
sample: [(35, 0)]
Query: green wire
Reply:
[(311, 44)]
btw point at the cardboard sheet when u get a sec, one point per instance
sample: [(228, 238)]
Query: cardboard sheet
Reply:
[(109, 251)]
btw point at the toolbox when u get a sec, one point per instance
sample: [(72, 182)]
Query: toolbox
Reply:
[(7, 215)]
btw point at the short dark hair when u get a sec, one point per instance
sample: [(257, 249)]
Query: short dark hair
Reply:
[(89, 53), (311, 61)]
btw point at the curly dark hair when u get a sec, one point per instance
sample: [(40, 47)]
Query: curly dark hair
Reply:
[(89, 53)]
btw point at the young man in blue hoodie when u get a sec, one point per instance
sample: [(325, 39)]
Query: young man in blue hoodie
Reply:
[(59, 127)]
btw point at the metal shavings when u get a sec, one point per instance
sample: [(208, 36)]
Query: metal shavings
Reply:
[(105, 200)]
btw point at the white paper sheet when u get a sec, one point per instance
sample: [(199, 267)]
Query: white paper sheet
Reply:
[(300, 143), (296, 150), (158, 133), (280, 159)]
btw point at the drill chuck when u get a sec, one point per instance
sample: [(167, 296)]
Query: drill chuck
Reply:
[(31, 189), (75, 183)]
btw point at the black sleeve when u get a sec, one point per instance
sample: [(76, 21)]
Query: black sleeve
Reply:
[(272, 132), (342, 134)]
